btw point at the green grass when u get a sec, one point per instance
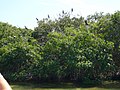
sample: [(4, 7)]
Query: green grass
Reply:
[(65, 86)]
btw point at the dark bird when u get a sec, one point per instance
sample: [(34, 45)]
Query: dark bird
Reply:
[(59, 14), (63, 11), (37, 19), (26, 28), (48, 16), (71, 9), (86, 23)]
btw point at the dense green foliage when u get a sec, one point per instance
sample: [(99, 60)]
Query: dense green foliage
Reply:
[(65, 49)]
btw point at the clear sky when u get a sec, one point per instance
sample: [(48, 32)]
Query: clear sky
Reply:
[(23, 12)]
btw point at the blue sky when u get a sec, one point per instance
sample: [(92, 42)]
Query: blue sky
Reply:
[(23, 12)]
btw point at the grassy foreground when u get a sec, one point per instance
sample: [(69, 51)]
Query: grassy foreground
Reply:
[(65, 86)]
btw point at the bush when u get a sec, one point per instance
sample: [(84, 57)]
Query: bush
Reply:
[(77, 55)]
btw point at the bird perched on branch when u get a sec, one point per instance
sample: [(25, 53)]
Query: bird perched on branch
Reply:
[(63, 11), (26, 28), (48, 16), (86, 23), (37, 19), (71, 9)]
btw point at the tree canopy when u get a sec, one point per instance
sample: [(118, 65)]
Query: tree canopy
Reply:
[(67, 48)]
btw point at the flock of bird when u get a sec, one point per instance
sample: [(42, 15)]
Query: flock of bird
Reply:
[(86, 23)]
